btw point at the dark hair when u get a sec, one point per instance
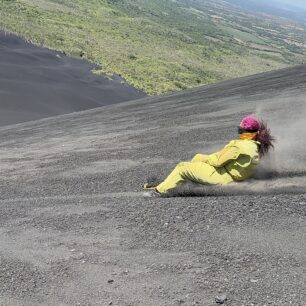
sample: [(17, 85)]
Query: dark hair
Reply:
[(265, 138)]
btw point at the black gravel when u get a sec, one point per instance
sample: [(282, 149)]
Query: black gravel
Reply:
[(76, 230)]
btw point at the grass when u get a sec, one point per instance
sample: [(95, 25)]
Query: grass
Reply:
[(158, 46)]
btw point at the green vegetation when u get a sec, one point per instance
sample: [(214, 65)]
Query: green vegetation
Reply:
[(159, 46)]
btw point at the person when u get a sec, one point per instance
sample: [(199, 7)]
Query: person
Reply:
[(236, 162)]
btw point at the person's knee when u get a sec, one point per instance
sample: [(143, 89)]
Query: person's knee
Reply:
[(196, 157), (182, 168), (181, 165)]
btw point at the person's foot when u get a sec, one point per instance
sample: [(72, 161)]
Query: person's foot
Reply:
[(148, 186)]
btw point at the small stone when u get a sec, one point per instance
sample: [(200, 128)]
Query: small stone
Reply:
[(110, 281), (220, 299)]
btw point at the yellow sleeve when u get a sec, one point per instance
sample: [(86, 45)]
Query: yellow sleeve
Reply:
[(224, 156)]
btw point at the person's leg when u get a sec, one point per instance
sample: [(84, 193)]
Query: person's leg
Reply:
[(198, 172), (199, 158)]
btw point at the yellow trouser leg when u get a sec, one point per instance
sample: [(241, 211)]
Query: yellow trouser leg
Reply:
[(199, 158), (198, 172)]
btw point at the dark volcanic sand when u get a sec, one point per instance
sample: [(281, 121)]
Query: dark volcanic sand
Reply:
[(37, 83), (75, 229)]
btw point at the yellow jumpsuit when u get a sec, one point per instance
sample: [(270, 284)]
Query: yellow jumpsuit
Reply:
[(235, 162)]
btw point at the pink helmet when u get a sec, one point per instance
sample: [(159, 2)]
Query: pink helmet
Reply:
[(250, 123)]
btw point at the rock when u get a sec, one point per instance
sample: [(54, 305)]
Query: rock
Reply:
[(110, 281), (220, 299)]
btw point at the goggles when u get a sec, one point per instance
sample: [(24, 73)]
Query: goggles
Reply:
[(242, 130)]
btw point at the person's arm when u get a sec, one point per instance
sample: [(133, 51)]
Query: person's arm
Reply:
[(221, 158)]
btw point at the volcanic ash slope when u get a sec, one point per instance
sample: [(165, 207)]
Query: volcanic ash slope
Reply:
[(75, 229), (38, 83)]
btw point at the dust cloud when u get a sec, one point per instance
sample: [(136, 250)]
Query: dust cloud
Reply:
[(287, 124), (283, 170)]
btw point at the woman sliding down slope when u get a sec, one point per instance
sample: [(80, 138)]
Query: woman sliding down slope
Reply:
[(236, 162)]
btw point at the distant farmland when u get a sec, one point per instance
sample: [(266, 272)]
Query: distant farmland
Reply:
[(159, 46)]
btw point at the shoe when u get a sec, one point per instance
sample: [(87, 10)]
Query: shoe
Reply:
[(148, 186), (152, 193)]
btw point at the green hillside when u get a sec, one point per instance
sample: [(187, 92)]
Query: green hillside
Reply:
[(159, 45)]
